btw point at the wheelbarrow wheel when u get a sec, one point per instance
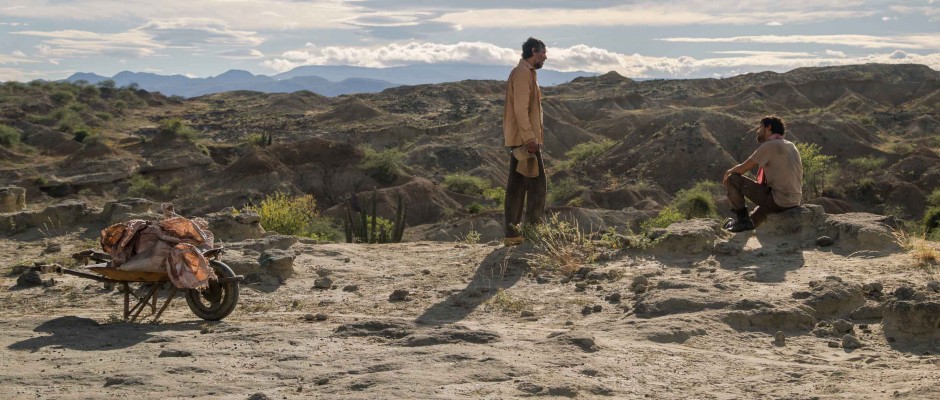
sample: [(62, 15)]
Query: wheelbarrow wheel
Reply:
[(218, 300)]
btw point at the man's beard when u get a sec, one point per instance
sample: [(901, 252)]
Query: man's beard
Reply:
[(538, 65)]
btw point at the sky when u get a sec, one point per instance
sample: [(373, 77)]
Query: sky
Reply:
[(51, 39)]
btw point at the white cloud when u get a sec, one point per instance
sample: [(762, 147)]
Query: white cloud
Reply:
[(241, 54), (194, 31), (774, 23), (587, 58), (16, 57), (74, 43), (243, 14), (926, 41), (668, 13)]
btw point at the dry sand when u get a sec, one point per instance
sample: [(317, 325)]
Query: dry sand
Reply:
[(476, 324)]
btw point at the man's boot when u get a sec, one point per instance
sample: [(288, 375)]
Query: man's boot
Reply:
[(742, 222)]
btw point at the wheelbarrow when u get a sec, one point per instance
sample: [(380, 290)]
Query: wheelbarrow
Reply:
[(213, 303)]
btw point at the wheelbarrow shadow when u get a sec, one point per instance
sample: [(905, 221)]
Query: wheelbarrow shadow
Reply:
[(85, 334)]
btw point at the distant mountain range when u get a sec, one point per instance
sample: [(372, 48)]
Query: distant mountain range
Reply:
[(327, 80)]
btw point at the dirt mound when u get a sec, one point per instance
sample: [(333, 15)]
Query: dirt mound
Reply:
[(350, 111), (833, 298), (51, 142), (862, 231), (685, 237), (771, 319), (912, 320)]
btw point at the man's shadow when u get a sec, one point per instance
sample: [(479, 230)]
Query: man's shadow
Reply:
[(500, 269), (84, 334), (770, 263)]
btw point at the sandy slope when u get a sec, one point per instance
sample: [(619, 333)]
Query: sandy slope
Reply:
[(459, 335)]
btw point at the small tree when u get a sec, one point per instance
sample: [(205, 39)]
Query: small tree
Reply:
[(815, 168)]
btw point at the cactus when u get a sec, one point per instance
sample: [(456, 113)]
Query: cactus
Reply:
[(364, 227)]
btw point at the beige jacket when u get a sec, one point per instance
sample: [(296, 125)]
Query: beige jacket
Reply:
[(522, 120)]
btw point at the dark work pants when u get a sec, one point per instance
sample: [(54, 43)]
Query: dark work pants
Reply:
[(740, 187), (524, 195)]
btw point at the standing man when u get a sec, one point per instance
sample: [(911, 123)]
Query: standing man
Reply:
[(779, 183), (522, 129)]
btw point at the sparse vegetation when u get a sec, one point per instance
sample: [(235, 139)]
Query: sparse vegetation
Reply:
[(144, 186), (564, 190), (901, 148), (9, 136), (562, 247), (667, 216), (867, 164), (698, 201), (465, 184), (496, 195), (503, 301), (923, 252), (588, 150), (475, 208), (178, 128), (384, 166)]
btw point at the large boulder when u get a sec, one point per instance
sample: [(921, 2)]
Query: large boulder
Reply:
[(229, 225), (53, 219), (913, 321), (130, 208), (862, 231), (834, 298), (685, 237), (267, 256), (12, 199), (803, 221)]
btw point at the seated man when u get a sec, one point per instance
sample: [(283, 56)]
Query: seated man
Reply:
[(779, 183)]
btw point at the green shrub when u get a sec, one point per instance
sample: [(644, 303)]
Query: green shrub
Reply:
[(667, 216), (384, 166), (178, 128), (561, 247), (296, 215), (496, 195), (932, 223), (9, 136), (695, 203), (62, 97), (901, 148), (588, 150), (475, 208), (142, 186), (867, 164), (564, 190), (933, 198), (81, 135), (466, 184)]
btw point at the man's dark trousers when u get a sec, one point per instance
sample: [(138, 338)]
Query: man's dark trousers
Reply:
[(524, 195), (740, 186)]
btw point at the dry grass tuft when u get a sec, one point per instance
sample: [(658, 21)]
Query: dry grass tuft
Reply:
[(561, 247), (924, 252)]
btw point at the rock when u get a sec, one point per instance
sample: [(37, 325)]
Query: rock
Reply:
[(587, 310), (912, 321), (12, 199), (613, 297), (597, 308), (640, 280), (232, 225), (122, 380), (279, 242), (399, 295), (259, 396), (727, 248), (800, 295), (770, 319), (58, 216), (877, 287), (582, 340), (426, 271), (824, 241), (639, 289), (279, 263), (131, 208), (871, 310), (851, 342), (527, 314), (832, 298), (833, 343), (175, 353), (348, 288), (321, 317), (309, 317), (673, 334), (48, 283), (29, 279), (842, 326), (685, 237), (779, 338), (323, 283), (52, 248), (904, 293), (801, 221), (933, 286), (862, 231)]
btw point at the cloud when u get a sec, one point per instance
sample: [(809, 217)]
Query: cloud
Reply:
[(74, 43), (243, 14), (16, 57), (188, 32), (926, 41), (241, 54), (669, 13), (774, 23), (586, 58)]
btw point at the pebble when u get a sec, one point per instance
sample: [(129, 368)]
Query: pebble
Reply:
[(640, 280), (832, 343), (48, 283), (309, 317), (350, 288), (569, 323), (587, 310), (399, 295), (613, 297), (597, 308), (843, 326), (527, 314), (780, 338), (639, 289), (933, 286), (426, 271), (175, 353), (322, 381), (52, 248), (323, 283), (320, 317), (346, 260), (259, 396), (824, 241), (904, 293)]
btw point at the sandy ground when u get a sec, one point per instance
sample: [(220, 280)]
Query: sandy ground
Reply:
[(476, 324)]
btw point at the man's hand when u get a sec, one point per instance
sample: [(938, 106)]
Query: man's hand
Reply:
[(724, 181), (532, 147)]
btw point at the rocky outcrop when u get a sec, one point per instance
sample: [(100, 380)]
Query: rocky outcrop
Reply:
[(130, 208), (267, 256), (229, 225), (12, 199), (803, 221), (686, 237), (56, 217), (913, 321), (861, 231)]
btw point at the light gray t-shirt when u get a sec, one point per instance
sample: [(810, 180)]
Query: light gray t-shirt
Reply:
[(783, 170)]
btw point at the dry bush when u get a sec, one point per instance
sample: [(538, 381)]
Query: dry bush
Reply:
[(561, 247), (924, 252)]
